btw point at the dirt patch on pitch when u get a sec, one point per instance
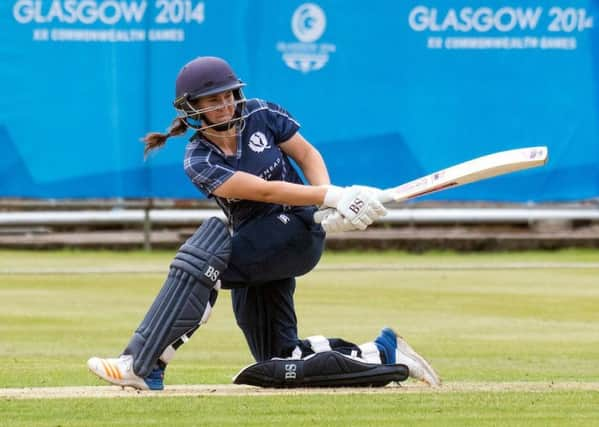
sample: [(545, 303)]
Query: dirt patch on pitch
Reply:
[(236, 390)]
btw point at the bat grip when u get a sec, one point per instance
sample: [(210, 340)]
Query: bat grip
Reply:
[(386, 196)]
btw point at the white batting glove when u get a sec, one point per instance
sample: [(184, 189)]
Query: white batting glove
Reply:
[(359, 205), (332, 221)]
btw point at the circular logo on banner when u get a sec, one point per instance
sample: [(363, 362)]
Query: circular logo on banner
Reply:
[(258, 142), (308, 22)]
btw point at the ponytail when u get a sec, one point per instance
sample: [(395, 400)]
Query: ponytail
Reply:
[(154, 140)]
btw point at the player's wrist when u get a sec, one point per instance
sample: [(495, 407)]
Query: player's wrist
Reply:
[(332, 196)]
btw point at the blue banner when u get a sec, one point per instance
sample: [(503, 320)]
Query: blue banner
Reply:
[(388, 91)]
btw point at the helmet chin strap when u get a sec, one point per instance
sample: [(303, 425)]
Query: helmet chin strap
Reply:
[(237, 121), (219, 128), (214, 131)]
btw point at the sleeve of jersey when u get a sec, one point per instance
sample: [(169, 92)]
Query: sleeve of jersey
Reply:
[(206, 172), (281, 123)]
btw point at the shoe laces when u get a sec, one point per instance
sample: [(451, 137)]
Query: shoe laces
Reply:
[(127, 362)]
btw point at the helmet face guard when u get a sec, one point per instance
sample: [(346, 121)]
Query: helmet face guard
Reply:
[(205, 76), (196, 119)]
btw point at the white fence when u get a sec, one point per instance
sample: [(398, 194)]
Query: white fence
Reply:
[(395, 216)]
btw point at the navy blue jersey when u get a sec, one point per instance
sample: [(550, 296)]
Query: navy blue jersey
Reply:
[(258, 153)]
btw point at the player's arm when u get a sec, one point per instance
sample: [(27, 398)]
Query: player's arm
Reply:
[(250, 187), (308, 158), (245, 186), (360, 207)]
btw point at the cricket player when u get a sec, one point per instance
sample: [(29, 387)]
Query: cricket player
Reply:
[(240, 156)]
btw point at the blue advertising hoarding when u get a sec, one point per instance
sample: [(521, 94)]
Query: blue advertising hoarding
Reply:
[(386, 90)]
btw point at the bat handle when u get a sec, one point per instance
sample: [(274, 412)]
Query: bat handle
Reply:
[(386, 196)]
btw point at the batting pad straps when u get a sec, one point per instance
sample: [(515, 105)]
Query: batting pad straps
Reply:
[(319, 343), (370, 353), (186, 298)]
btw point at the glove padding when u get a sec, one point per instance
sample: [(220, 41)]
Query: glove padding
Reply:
[(332, 221), (356, 208)]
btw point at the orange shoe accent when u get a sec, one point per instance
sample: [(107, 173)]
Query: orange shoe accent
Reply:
[(111, 371), (107, 369), (118, 372)]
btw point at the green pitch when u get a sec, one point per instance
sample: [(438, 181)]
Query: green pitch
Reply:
[(484, 321)]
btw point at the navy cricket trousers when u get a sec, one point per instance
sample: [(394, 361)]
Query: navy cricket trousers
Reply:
[(267, 254)]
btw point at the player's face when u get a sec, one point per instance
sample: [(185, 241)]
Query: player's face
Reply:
[(221, 106)]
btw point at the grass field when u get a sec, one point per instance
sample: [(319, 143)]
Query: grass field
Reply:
[(515, 337)]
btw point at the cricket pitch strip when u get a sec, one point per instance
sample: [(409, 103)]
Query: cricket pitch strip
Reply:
[(240, 390)]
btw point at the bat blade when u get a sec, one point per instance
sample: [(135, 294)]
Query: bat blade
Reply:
[(473, 170)]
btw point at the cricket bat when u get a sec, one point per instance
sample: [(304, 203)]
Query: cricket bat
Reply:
[(477, 169)]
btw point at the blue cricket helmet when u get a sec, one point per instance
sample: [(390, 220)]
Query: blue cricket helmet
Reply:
[(204, 76)]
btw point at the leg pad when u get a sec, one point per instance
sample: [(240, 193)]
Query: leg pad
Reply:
[(186, 298), (325, 369)]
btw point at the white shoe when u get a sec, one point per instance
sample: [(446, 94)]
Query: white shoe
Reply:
[(117, 371), (419, 368), (397, 350)]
